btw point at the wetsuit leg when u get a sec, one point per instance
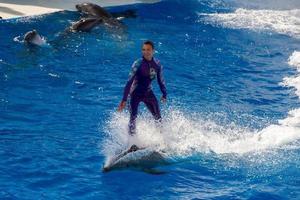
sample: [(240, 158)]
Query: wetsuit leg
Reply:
[(134, 104), (152, 105)]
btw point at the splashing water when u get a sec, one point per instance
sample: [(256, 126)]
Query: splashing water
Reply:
[(183, 135), (281, 21)]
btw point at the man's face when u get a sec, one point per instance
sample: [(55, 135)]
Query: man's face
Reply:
[(147, 51)]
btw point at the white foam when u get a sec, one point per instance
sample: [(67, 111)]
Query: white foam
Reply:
[(294, 60), (294, 81), (265, 4), (182, 135), (53, 75), (281, 21)]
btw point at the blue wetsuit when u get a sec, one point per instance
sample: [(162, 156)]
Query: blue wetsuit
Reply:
[(143, 72)]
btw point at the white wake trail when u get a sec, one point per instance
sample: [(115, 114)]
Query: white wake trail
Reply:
[(280, 21)]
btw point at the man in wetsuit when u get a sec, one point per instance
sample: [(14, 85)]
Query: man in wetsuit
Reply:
[(143, 72)]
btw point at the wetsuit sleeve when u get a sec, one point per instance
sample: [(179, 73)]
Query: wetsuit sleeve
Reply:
[(161, 81), (132, 76)]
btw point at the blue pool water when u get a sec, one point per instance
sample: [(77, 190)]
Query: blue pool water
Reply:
[(231, 126)]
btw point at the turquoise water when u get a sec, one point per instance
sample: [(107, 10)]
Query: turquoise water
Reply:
[(231, 123)]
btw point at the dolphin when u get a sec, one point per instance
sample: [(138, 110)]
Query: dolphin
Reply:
[(144, 159), (85, 24), (33, 37), (93, 10)]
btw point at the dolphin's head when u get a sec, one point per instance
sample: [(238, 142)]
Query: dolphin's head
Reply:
[(30, 35), (92, 10), (79, 7), (82, 7)]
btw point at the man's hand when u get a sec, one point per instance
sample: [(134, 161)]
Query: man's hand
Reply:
[(163, 99), (121, 106)]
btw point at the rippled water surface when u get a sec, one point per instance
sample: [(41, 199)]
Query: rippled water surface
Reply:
[(231, 126)]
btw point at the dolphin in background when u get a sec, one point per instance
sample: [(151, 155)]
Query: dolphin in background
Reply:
[(85, 24), (93, 10), (94, 15), (33, 37)]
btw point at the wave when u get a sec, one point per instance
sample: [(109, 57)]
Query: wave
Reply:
[(294, 81), (184, 136), (266, 4), (281, 21)]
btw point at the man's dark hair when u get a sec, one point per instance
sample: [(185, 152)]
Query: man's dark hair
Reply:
[(149, 42)]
